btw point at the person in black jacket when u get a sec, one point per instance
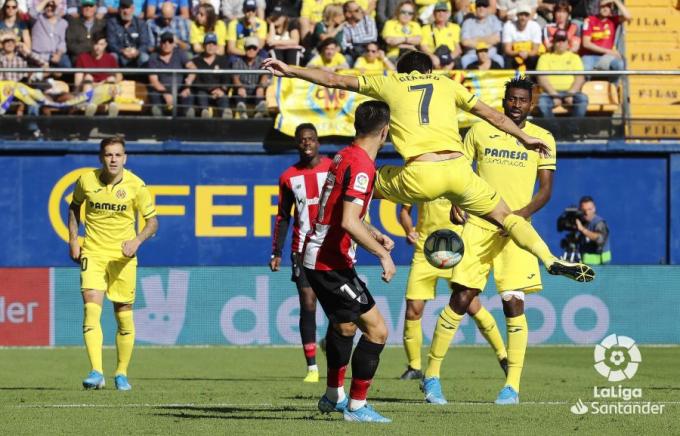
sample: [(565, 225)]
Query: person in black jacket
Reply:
[(80, 29), (128, 37)]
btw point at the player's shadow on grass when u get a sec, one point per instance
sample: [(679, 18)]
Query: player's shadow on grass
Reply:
[(254, 413), (225, 379)]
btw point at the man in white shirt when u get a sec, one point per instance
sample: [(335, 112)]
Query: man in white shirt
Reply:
[(521, 40)]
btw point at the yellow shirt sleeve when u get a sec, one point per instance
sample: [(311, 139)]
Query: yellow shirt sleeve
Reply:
[(231, 30), (144, 203), (470, 144), (426, 35), (221, 32), (464, 98), (78, 192), (262, 29), (372, 86), (196, 34)]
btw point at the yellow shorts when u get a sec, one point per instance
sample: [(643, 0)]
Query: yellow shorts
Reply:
[(116, 276), (514, 269), (423, 277), (425, 181)]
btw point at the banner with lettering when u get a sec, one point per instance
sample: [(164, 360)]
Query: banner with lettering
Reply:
[(332, 110)]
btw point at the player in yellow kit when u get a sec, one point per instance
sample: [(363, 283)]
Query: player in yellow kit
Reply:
[(112, 197), (422, 285), (513, 171), (423, 124)]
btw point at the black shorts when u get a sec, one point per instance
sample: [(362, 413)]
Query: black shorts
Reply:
[(298, 276), (343, 296)]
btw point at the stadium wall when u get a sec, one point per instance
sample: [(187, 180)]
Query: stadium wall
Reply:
[(253, 306)]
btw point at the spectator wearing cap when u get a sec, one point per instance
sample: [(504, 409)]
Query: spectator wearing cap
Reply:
[(233, 9), (360, 29), (81, 29), (249, 26), (49, 35), (250, 88), (153, 8), (10, 20), (206, 21), (113, 7), (441, 39), (599, 36), (373, 60), (329, 57), (97, 57), (168, 21), (128, 37), (562, 91), (283, 39), (169, 57), (311, 13), (402, 33), (562, 21), (484, 61), (210, 90), (74, 8), (483, 27), (521, 40), (14, 55), (508, 10)]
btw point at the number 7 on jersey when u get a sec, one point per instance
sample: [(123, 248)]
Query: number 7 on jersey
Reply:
[(425, 98)]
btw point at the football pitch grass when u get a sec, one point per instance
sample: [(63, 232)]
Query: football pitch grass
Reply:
[(225, 390)]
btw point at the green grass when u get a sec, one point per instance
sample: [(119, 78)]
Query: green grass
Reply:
[(220, 390)]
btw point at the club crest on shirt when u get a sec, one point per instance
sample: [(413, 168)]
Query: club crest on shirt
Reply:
[(361, 182), (120, 194)]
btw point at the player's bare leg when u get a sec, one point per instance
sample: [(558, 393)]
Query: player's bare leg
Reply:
[(307, 326), (518, 334), (413, 339), (125, 342), (93, 337), (488, 328)]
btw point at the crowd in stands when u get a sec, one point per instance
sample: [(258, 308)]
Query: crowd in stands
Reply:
[(365, 35)]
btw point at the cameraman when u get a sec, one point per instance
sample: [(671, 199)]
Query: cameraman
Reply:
[(593, 240)]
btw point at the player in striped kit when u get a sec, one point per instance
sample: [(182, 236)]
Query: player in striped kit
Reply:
[(299, 188)]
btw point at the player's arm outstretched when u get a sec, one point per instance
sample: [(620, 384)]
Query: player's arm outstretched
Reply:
[(150, 228), (357, 229), (502, 122), (314, 75)]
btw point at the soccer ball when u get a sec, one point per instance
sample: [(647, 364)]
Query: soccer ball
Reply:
[(443, 249)]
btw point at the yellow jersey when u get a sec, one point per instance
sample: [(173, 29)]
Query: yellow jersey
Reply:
[(433, 215), (238, 32), (567, 61), (423, 110), (318, 61), (110, 211), (504, 163), (197, 33), (434, 36), (393, 28), (363, 64)]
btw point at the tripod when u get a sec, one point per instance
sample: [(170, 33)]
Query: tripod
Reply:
[(570, 246)]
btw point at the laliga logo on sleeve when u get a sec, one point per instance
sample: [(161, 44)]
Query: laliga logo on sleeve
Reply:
[(617, 358)]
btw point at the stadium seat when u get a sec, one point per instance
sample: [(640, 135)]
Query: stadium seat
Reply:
[(132, 96), (603, 96)]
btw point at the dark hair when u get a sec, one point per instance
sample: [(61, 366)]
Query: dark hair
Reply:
[(210, 17), (519, 82), (304, 126), (325, 43), (110, 141), (414, 60), (586, 199), (97, 36), (562, 5), (370, 117)]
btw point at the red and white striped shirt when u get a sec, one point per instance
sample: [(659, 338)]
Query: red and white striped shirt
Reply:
[(350, 178), (299, 187)]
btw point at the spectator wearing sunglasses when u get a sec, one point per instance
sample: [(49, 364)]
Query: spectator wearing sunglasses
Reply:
[(373, 60), (169, 57), (402, 33), (11, 20)]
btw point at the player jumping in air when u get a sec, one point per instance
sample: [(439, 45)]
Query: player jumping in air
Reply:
[(329, 266), (512, 171), (424, 131), (112, 197), (422, 285), (299, 187)]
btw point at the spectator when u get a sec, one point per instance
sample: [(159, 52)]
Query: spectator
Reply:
[(128, 37), (206, 22), (483, 27), (311, 14), (233, 9), (373, 60), (194, 4), (10, 20), (168, 57), (593, 238), (97, 57), (283, 39), (250, 86), (248, 26), (521, 40), (14, 55), (49, 35), (153, 8), (484, 61), (402, 33), (464, 9), (329, 57), (441, 39), (36, 8), (599, 33), (113, 7), (385, 10), (168, 21), (561, 15), (332, 25), (74, 7), (210, 90), (359, 30), (508, 10), (81, 29), (562, 91), (22, 10)]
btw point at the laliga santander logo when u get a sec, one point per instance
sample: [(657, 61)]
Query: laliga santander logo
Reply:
[(617, 358), (63, 191)]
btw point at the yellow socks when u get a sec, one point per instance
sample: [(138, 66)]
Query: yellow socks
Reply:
[(446, 328), (92, 333), (487, 326), (526, 237), (125, 340), (518, 336), (413, 342)]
